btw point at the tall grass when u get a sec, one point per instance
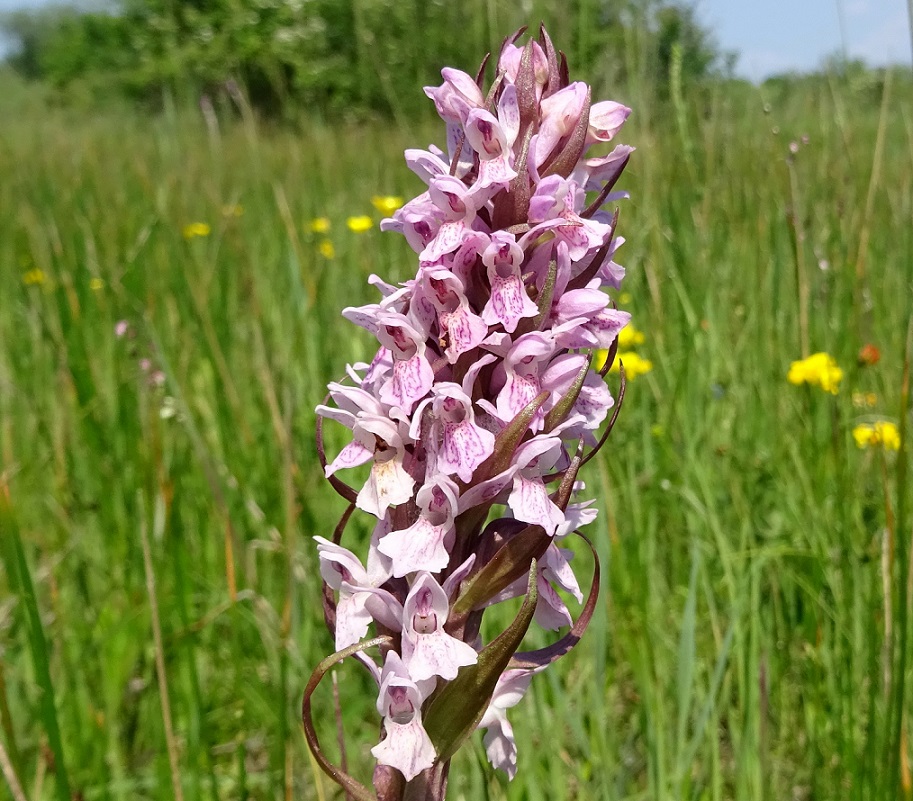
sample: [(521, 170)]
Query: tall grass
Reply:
[(754, 641)]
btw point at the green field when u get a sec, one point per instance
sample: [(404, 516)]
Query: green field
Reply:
[(159, 596)]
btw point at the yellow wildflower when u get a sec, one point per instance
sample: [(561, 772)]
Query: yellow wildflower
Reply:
[(196, 229), (96, 284), (326, 249), (881, 433), (818, 370), (634, 365), (360, 224), (630, 337), (386, 204), (624, 298), (319, 225), (34, 277)]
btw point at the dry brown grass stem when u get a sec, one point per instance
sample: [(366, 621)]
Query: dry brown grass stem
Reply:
[(161, 674), (9, 774)]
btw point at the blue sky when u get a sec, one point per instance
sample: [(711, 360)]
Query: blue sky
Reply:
[(778, 35)]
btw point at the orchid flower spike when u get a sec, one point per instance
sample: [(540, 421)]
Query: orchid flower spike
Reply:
[(466, 430)]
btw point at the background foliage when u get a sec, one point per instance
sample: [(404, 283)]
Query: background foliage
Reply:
[(336, 56), (159, 609)]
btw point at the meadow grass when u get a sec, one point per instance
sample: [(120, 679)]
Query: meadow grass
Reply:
[(159, 600)]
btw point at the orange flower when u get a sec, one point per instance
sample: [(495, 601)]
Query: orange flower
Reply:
[(868, 355)]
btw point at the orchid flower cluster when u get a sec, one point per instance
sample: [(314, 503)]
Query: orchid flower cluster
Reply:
[(476, 414)]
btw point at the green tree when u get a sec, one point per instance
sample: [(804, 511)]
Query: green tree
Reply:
[(335, 55)]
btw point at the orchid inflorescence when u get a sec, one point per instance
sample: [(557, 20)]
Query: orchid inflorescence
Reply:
[(475, 416)]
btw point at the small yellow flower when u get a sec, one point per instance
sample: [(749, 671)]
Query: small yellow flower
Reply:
[(326, 249), (634, 365), (881, 433), (233, 210), (386, 204), (864, 435), (34, 277), (624, 298), (96, 284), (818, 370), (319, 225), (196, 229), (360, 224), (630, 337), (889, 435)]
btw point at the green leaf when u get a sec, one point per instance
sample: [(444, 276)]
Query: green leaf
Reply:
[(510, 562), (526, 88), (686, 647), (544, 301), (508, 440), (21, 581), (561, 409), (530, 660)]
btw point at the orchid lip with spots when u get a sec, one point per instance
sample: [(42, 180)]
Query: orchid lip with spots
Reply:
[(470, 425)]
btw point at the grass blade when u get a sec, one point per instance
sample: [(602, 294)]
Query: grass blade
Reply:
[(21, 580)]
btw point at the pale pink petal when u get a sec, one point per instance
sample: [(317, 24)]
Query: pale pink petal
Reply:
[(338, 564), (499, 739), (509, 300), (465, 330), (439, 654), (388, 485), (560, 113), (500, 747), (485, 135), (427, 649), (453, 580), (518, 391), (530, 503), (556, 567), (496, 172), (448, 238), (407, 747), (551, 612), (465, 447), (352, 455), (352, 620), (509, 113), (410, 382), (419, 547), (606, 119), (424, 544)]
